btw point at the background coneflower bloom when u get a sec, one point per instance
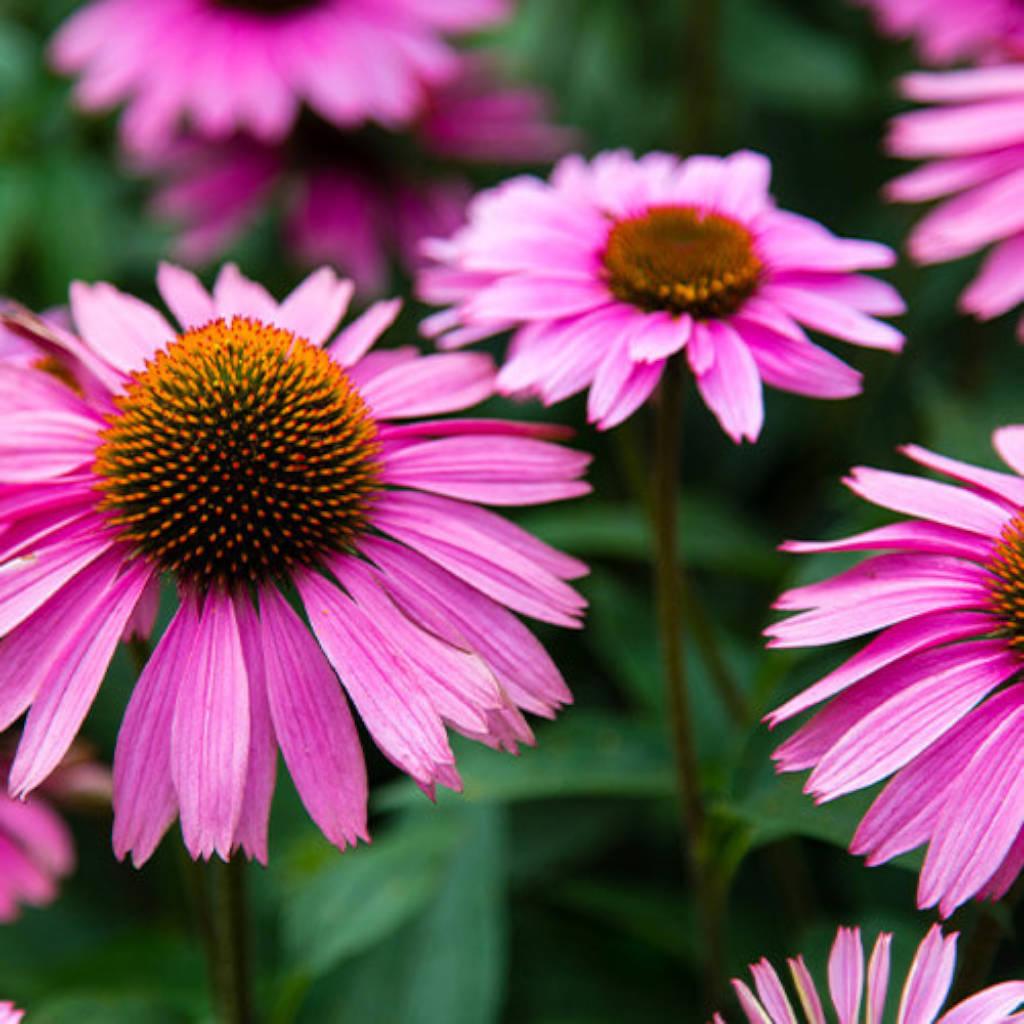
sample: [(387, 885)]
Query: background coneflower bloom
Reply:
[(851, 987), (9, 1014), (36, 847), (352, 199), (227, 65), (974, 140), (614, 266), (935, 700), (953, 30), (269, 476)]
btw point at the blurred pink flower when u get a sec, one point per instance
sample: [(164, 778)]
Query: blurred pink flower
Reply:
[(224, 66), (9, 1014), (974, 138), (354, 201), (36, 848), (946, 31), (239, 455), (921, 1000), (935, 699), (614, 266)]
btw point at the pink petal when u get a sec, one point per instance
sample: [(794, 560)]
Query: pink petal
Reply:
[(929, 979), (429, 385), (210, 732), (362, 334), (313, 724), (878, 979), (846, 974), (185, 297), (731, 388), (314, 308)]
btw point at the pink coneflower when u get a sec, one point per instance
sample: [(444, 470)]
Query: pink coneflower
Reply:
[(861, 995), (350, 199), (36, 848), (974, 138), (9, 1014), (224, 66), (275, 480), (935, 700), (614, 266), (945, 31)]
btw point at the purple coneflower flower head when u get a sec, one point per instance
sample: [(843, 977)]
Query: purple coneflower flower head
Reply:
[(973, 137), (247, 65), (616, 265), (36, 848), (322, 518), (858, 994), (349, 199), (953, 30), (934, 702), (9, 1014)]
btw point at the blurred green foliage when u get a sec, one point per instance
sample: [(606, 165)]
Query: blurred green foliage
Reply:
[(551, 892)]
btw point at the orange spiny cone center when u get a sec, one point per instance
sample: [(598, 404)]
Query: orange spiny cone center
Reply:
[(239, 451), (1007, 584), (677, 259)]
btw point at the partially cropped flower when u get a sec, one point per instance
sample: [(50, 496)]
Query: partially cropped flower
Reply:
[(9, 1014), (858, 995), (617, 265), (355, 200), (936, 700), (222, 66), (974, 140), (945, 31), (322, 519), (36, 848)]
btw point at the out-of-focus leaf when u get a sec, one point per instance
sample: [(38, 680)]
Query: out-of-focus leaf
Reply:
[(338, 906), (585, 754), (103, 1010), (780, 808), (18, 59), (15, 209), (782, 61), (458, 974), (712, 535)]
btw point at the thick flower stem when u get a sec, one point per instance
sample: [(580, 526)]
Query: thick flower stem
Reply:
[(665, 512), (230, 919)]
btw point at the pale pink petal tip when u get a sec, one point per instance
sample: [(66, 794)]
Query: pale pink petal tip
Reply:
[(551, 261), (921, 1001)]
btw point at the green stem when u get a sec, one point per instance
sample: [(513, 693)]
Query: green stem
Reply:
[(665, 512), (231, 947), (700, 63)]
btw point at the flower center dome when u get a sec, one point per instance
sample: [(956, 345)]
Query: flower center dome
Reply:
[(680, 260), (239, 452), (1007, 584)]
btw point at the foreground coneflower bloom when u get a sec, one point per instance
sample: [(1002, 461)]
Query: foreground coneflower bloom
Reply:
[(269, 476), (617, 265), (9, 1014), (935, 700), (350, 199), (974, 138), (247, 65), (945, 31), (861, 995)]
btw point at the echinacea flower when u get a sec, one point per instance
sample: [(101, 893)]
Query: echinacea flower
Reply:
[(861, 995), (617, 265), (223, 66), (9, 1014), (36, 848), (935, 701), (274, 479), (951, 30), (349, 199), (974, 140)]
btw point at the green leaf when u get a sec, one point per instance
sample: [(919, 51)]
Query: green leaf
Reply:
[(458, 974), (338, 906), (585, 754)]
